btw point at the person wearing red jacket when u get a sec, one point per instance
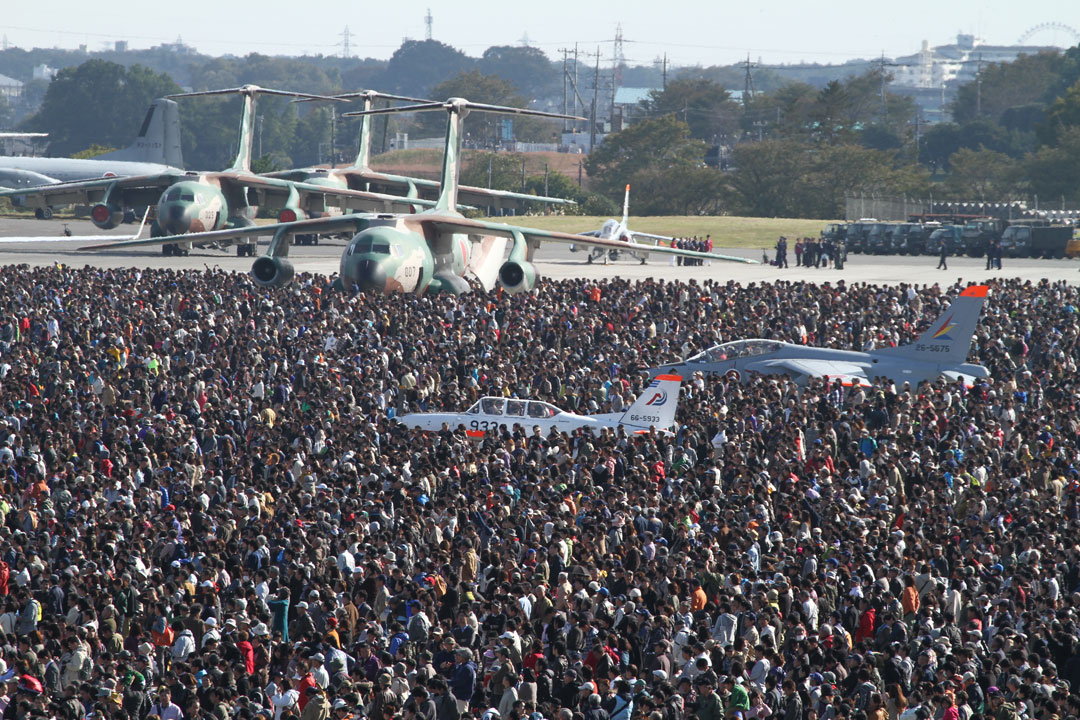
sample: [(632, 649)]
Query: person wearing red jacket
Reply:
[(247, 652), (867, 619)]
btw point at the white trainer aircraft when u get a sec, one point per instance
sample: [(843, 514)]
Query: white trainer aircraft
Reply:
[(654, 409), (637, 243)]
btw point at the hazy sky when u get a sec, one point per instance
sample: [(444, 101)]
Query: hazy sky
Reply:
[(703, 32)]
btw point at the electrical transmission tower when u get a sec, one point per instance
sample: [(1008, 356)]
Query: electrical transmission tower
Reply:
[(428, 20), (748, 81), (346, 48)]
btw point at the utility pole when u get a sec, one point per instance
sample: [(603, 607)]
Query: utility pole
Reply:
[(565, 52), (576, 93), (595, 95), (664, 71), (748, 82), (333, 127), (978, 87)]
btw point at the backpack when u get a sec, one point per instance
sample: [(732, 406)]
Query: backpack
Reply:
[(418, 628)]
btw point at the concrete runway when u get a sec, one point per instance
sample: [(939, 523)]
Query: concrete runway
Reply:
[(553, 260)]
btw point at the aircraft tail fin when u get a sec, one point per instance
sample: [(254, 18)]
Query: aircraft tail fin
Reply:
[(626, 205), (948, 340), (656, 406), (158, 140)]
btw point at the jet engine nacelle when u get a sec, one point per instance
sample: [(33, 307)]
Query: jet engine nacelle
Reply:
[(272, 272), (106, 215), (517, 276)]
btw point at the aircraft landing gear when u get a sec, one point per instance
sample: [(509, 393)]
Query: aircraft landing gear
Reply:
[(44, 213), (173, 250), (242, 250)]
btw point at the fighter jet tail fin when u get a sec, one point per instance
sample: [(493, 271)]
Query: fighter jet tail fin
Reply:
[(626, 205), (158, 140), (656, 406), (949, 338)]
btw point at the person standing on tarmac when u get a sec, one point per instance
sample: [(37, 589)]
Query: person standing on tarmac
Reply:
[(942, 265)]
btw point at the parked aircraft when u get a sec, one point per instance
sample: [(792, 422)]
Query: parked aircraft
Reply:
[(360, 176), (68, 236), (437, 250), (156, 150), (619, 230), (941, 351), (654, 409), (194, 202)]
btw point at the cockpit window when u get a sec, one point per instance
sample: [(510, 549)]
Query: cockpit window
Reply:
[(541, 410), (515, 408), (735, 350), (173, 195), (474, 410), (492, 406), (187, 197), (381, 248)]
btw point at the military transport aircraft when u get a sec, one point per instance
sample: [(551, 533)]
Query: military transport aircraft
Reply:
[(655, 408), (360, 176), (194, 202), (941, 351), (156, 149), (436, 250)]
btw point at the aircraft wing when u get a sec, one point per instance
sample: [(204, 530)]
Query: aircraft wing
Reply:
[(89, 192), (15, 240), (650, 236), (337, 223), (801, 369), (281, 189), (467, 225)]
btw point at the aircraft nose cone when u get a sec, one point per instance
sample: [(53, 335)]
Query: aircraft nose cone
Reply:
[(370, 275), (174, 219)]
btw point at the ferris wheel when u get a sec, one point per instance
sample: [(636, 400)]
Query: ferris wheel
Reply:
[(1056, 30)]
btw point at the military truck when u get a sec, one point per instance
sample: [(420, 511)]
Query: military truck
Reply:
[(1049, 241), (978, 234), (950, 235)]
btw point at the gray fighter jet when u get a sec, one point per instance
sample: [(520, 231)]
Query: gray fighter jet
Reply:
[(941, 351)]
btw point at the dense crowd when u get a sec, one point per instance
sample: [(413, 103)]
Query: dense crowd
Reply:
[(209, 512)]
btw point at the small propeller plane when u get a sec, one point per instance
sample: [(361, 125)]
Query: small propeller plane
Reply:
[(436, 250), (193, 202), (653, 410), (941, 351)]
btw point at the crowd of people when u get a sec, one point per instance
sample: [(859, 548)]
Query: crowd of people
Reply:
[(209, 511), (809, 253), (697, 244)]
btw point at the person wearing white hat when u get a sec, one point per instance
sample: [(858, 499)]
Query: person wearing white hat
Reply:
[(211, 632)]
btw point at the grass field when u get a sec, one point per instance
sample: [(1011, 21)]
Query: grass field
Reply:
[(726, 231)]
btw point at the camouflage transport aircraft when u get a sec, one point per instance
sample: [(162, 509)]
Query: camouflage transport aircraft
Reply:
[(360, 176), (193, 202), (436, 250)]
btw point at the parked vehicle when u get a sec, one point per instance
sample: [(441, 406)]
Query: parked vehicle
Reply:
[(951, 235), (857, 232), (978, 234), (836, 232), (879, 239), (910, 238), (1036, 241)]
